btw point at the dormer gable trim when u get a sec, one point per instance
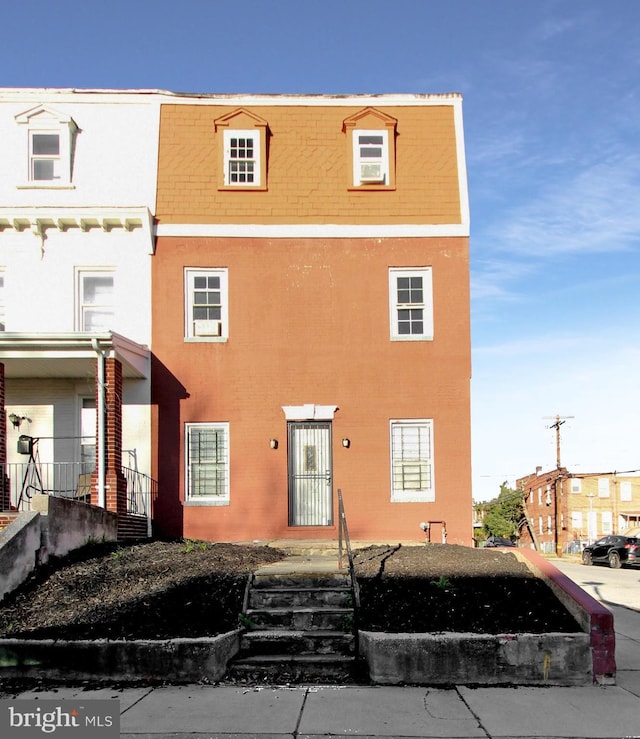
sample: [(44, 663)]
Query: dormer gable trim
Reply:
[(46, 115), (370, 118), (240, 118)]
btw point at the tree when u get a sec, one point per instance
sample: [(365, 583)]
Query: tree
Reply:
[(501, 516)]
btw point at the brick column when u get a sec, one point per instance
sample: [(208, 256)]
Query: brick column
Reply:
[(115, 482), (5, 489)]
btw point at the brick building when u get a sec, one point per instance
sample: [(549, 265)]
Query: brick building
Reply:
[(311, 317), (569, 510)]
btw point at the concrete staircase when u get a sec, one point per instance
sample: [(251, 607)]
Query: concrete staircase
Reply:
[(299, 624)]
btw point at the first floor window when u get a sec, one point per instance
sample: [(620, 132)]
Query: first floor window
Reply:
[(410, 304), (96, 290), (206, 306), (607, 522), (412, 460), (207, 464)]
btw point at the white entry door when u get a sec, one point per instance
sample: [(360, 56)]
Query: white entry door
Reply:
[(310, 474)]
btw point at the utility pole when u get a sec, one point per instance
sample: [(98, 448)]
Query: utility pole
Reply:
[(559, 420)]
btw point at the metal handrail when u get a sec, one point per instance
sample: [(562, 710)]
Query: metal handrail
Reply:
[(20, 481), (343, 533)]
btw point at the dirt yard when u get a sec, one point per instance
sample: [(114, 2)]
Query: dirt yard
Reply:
[(188, 589)]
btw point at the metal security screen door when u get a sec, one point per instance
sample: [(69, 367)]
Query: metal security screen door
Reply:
[(310, 474)]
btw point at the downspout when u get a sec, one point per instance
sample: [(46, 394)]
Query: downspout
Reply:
[(102, 498)]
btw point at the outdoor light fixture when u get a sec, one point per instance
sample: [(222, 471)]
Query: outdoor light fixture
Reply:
[(346, 443), (17, 420), (273, 443)]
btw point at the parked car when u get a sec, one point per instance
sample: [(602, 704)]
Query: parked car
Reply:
[(499, 541), (614, 551)]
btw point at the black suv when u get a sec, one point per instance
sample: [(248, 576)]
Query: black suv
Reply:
[(614, 551)]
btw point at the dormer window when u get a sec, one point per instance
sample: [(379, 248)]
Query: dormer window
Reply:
[(242, 145), (48, 147), (371, 150), (370, 157)]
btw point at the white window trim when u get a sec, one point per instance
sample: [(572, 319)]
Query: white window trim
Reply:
[(604, 490), (626, 491), (42, 120), (189, 324), (427, 495), (81, 273), (3, 300), (206, 500), (358, 160), (427, 286), (253, 133)]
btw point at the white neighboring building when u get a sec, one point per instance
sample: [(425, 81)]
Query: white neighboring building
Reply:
[(77, 197)]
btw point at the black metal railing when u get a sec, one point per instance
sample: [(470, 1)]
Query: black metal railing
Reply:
[(22, 480), (344, 546)]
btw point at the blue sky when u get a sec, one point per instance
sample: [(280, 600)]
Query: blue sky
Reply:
[(552, 126)]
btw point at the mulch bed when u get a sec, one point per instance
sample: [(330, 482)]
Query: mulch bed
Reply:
[(174, 589)]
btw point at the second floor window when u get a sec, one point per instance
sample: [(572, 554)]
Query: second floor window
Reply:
[(96, 301), (206, 304), (410, 304)]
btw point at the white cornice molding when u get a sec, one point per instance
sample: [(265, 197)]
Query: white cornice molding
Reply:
[(310, 230), (38, 219)]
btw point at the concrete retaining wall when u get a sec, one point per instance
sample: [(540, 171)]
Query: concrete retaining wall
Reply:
[(54, 527), (593, 617), (19, 547), (477, 659), (69, 524), (173, 660), (583, 658)]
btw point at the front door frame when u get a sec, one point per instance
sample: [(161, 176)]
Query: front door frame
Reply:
[(310, 473)]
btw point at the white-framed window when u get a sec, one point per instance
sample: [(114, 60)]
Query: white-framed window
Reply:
[(49, 145), (96, 301), (539, 496), (242, 155), (626, 491), (603, 487), (412, 477), (411, 304), (206, 304), (607, 522), (88, 422), (576, 485), (576, 521), (207, 463), (2, 302), (370, 157)]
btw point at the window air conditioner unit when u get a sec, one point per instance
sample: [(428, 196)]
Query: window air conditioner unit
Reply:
[(371, 172), (207, 328)]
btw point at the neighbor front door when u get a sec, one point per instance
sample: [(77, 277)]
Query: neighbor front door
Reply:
[(310, 474)]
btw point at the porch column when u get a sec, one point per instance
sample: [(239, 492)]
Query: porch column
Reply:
[(115, 482), (5, 490)]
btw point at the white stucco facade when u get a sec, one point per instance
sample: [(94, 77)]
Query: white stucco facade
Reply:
[(77, 197)]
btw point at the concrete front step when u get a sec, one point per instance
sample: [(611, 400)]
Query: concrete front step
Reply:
[(301, 619), (281, 669), (290, 597), (311, 580), (270, 642)]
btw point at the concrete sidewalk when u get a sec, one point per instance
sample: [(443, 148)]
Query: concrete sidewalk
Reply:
[(199, 711)]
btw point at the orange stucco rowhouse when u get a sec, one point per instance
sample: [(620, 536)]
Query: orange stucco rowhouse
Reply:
[(311, 318)]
